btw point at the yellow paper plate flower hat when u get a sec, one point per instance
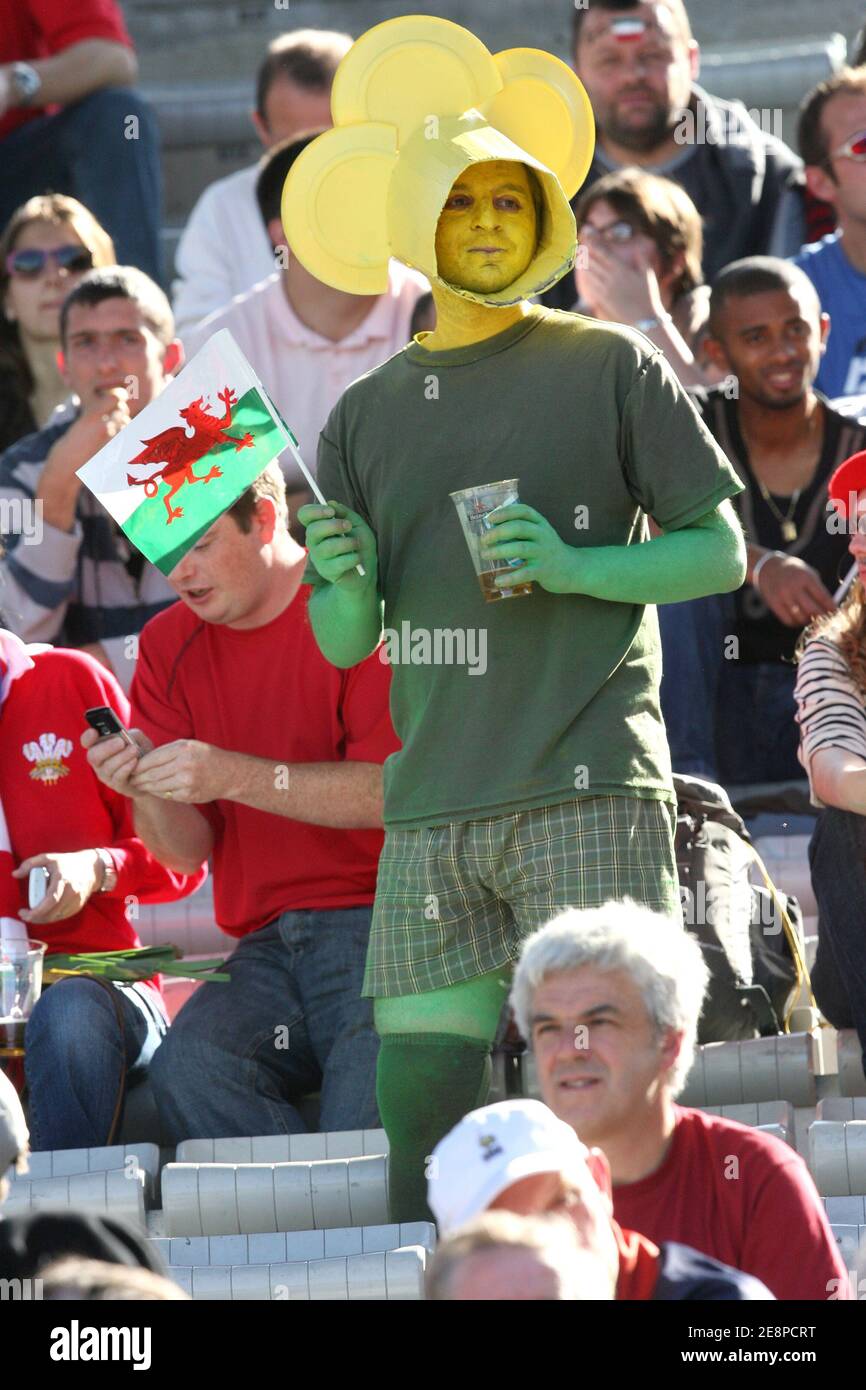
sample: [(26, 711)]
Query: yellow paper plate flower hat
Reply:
[(415, 102)]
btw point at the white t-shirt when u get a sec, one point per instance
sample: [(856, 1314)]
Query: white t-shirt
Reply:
[(304, 373), (224, 249)]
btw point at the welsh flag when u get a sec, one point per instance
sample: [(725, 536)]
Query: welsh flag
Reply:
[(189, 454)]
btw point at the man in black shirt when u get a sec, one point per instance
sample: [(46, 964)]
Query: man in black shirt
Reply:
[(638, 61), (727, 689)]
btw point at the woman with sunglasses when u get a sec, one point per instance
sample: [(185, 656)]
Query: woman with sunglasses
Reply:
[(46, 247), (639, 263)]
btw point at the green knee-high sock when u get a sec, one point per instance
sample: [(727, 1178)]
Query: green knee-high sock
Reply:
[(425, 1083)]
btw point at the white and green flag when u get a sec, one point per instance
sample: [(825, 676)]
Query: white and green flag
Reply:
[(188, 456)]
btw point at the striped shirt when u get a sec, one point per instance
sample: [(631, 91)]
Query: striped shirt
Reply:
[(73, 587), (831, 707)]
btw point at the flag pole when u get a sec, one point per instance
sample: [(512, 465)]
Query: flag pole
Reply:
[(317, 492)]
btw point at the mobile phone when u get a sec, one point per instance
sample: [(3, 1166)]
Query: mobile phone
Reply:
[(37, 886), (107, 724)]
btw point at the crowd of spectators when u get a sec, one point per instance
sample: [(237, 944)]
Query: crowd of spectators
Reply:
[(744, 264)]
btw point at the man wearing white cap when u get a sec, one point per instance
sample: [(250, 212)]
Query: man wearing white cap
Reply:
[(609, 1000), (517, 1156)]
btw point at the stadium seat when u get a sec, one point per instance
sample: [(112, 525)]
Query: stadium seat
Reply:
[(841, 1108), (786, 858), (117, 1192), (770, 1115), (390, 1274), (290, 1247), (60, 1163), (837, 1157), (846, 1211), (284, 1148), (231, 1199), (780, 1068), (852, 1082), (849, 1239), (758, 1069)]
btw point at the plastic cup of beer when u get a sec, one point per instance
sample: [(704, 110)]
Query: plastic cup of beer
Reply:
[(474, 505), (20, 987)]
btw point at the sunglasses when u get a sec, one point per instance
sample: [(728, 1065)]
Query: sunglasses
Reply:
[(615, 233), (28, 264), (855, 149)]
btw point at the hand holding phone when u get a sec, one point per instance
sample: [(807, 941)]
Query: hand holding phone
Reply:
[(107, 725)]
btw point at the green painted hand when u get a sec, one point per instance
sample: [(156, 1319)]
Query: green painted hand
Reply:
[(337, 539), (521, 533)]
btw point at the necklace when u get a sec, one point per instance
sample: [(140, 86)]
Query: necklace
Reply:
[(786, 522)]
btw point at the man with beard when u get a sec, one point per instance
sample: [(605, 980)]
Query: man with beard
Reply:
[(639, 62), (728, 684)]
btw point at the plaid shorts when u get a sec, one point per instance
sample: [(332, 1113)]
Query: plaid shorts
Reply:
[(455, 901)]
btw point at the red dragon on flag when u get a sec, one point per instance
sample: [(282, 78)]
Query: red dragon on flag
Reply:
[(178, 451)]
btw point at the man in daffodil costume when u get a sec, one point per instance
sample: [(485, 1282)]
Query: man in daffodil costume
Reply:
[(542, 781)]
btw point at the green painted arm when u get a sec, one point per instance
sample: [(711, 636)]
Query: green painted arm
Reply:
[(347, 623), (706, 557)]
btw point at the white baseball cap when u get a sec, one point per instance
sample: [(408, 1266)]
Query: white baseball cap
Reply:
[(14, 1135), (492, 1148)]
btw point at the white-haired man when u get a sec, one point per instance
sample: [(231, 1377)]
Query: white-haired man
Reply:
[(516, 1156), (609, 999)]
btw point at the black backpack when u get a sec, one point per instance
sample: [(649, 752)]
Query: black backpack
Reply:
[(752, 951)]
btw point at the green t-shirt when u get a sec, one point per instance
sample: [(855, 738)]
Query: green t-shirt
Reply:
[(596, 427)]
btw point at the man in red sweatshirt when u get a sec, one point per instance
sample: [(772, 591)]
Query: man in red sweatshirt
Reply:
[(609, 1000), (517, 1156), (82, 1033), (260, 753), (71, 120)]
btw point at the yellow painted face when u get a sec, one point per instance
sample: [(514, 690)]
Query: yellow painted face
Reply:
[(488, 229)]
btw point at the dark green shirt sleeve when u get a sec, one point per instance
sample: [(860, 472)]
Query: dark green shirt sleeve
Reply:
[(674, 468)]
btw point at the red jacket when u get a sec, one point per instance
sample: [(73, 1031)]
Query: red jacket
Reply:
[(34, 29), (54, 803)]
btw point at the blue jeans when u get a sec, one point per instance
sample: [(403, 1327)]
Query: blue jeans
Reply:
[(837, 860), (86, 150), (727, 720), (74, 1057), (693, 646), (291, 1021)]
